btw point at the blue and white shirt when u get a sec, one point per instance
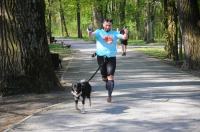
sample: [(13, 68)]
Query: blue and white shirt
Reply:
[(106, 42)]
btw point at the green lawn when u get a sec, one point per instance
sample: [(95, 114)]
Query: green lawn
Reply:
[(57, 48), (136, 42), (159, 53), (142, 43)]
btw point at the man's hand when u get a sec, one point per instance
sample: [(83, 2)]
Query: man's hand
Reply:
[(94, 54), (89, 30)]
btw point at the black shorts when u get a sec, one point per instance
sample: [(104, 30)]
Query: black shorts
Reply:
[(124, 42), (109, 65)]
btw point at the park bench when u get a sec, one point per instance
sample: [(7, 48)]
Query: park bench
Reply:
[(52, 40)]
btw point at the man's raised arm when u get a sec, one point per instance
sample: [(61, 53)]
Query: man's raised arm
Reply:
[(90, 32), (125, 35)]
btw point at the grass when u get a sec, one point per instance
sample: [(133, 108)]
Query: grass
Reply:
[(57, 48), (136, 42), (159, 53), (143, 43)]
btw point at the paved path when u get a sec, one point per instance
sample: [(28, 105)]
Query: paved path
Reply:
[(149, 96)]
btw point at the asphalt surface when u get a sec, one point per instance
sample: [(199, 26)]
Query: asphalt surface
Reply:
[(149, 95)]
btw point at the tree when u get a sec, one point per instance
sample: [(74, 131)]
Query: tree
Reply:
[(25, 59), (188, 12), (49, 14), (78, 18), (122, 13), (171, 27), (97, 13), (63, 22), (138, 20), (149, 24)]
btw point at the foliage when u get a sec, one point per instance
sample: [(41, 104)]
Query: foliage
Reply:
[(145, 19), (111, 9)]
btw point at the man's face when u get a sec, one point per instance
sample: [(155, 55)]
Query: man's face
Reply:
[(107, 26)]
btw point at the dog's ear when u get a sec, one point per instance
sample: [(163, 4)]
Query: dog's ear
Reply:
[(73, 85)]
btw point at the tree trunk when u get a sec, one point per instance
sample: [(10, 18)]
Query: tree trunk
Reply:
[(140, 32), (189, 17), (171, 29), (63, 22), (97, 13), (78, 19), (10, 57), (122, 13), (24, 49), (104, 9), (115, 12), (149, 25), (180, 43), (49, 32)]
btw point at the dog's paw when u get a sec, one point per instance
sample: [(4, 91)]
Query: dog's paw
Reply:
[(94, 54), (83, 111), (78, 109)]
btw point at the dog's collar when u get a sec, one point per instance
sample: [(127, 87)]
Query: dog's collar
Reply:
[(75, 94)]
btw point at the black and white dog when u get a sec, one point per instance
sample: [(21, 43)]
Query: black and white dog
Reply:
[(81, 90)]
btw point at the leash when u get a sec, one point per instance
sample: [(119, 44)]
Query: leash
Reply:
[(93, 55), (95, 72)]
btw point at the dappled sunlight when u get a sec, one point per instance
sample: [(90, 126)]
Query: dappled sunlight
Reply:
[(148, 95), (117, 93), (66, 58), (88, 50)]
